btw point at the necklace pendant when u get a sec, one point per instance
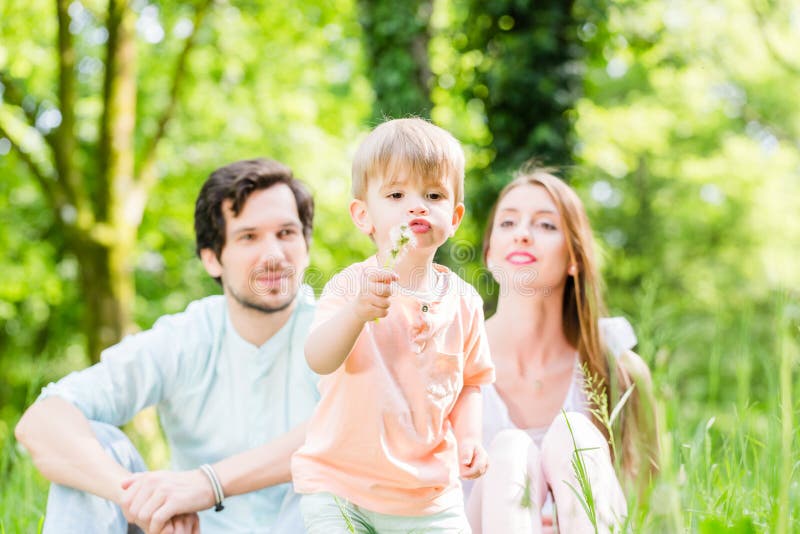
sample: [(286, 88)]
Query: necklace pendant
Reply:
[(537, 385)]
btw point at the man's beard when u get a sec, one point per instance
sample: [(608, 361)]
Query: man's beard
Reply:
[(263, 308)]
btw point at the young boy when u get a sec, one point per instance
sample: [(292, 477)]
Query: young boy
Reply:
[(403, 351)]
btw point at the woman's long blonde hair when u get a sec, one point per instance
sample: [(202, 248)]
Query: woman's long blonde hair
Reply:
[(583, 305)]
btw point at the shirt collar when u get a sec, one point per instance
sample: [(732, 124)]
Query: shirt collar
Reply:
[(303, 299), (442, 287)]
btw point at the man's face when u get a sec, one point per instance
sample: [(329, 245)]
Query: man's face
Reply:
[(265, 254)]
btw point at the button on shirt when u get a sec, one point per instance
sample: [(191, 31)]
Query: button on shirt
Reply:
[(216, 394)]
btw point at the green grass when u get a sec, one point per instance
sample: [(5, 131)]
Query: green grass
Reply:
[(731, 463), (23, 492), (730, 473), (728, 405)]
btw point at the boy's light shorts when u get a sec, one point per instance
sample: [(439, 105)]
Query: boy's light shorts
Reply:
[(324, 513)]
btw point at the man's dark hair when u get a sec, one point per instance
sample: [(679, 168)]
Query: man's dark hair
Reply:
[(236, 182)]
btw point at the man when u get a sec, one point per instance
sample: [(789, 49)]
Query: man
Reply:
[(227, 375)]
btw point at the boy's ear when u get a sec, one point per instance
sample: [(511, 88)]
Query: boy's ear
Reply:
[(360, 216), (458, 215), (211, 262)]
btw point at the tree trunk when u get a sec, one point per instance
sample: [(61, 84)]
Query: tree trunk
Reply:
[(525, 83), (106, 260), (106, 279), (527, 47), (396, 45), (99, 204)]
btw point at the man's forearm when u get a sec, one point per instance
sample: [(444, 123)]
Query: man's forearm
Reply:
[(155, 496), (64, 449), (261, 467)]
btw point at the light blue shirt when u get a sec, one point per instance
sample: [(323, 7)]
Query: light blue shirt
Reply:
[(216, 394)]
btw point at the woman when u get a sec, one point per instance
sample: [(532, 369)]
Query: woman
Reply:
[(553, 354)]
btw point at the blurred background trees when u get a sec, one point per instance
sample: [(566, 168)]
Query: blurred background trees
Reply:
[(99, 192), (676, 121), (95, 185)]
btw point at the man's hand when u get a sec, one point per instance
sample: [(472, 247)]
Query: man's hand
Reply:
[(152, 499), (473, 461), (181, 524), (372, 301)]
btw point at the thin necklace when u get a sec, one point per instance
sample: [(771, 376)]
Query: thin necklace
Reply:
[(538, 383)]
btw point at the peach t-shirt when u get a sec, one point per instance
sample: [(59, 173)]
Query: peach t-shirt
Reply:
[(381, 435)]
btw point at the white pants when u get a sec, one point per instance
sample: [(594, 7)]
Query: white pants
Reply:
[(499, 503)]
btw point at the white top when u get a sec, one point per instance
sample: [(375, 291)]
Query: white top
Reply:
[(617, 335), (495, 411)]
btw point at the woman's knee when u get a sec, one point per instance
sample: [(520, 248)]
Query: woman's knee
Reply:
[(510, 440), (566, 436), (514, 458), (511, 448), (570, 431), (575, 427)]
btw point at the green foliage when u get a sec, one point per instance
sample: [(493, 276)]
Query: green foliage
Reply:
[(689, 177), (523, 76), (396, 45), (680, 116), (717, 526), (39, 303), (512, 63), (245, 95), (22, 494)]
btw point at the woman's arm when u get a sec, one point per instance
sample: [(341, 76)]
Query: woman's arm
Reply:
[(645, 417)]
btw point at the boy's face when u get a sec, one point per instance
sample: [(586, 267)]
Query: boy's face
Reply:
[(427, 207)]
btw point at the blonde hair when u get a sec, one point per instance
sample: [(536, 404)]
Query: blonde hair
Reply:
[(414, 146), (583, 305)]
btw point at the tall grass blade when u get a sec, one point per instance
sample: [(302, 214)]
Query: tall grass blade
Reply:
[(585, 496)]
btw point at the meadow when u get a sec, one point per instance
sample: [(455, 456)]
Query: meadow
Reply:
[(728, 465), (676, 122)]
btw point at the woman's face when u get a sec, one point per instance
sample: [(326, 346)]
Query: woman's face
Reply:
[(527, 248)]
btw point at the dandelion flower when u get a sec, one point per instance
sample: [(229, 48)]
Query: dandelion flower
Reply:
[(402, 240)]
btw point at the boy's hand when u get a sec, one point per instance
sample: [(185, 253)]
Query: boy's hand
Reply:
[(372, 301), (473, 461)]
